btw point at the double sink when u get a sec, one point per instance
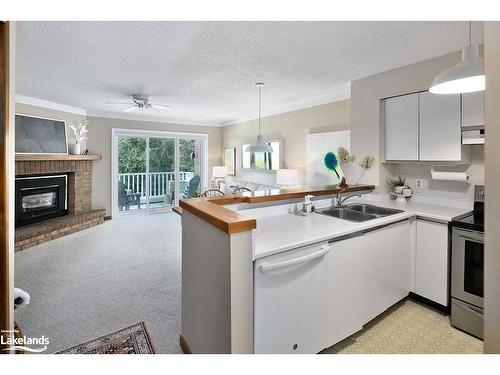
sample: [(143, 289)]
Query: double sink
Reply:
[(358, 212)]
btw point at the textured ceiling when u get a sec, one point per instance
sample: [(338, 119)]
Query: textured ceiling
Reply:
[(206, 70)]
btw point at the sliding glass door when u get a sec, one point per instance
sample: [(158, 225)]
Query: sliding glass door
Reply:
[(153, 170)]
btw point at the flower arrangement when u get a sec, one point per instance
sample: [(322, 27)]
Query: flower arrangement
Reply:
[(80, 131), (347, 161)]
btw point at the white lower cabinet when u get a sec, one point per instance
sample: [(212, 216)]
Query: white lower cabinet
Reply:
[(291, 301), (431, 261), (387, 266), (345, 288), (313, 297)]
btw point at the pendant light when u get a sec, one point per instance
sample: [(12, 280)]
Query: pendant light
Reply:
[(259, 145), (466, 76)]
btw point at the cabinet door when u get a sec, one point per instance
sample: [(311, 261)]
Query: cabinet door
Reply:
[(401, 127), (473, 109), (440, 130), (431, 261), (290, 301), (345, 288), (387, 267)]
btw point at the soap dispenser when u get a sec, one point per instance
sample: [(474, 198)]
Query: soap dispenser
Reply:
[(307, 206)]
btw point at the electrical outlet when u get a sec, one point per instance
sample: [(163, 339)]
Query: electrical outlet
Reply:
[(419, 183)]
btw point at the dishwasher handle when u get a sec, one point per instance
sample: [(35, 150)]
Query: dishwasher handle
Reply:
[(266, 267)]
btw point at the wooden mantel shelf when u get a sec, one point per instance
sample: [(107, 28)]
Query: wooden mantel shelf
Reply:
[(212, 211), (54, 157)]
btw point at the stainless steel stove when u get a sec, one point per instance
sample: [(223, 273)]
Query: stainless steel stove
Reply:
[(467, 268)]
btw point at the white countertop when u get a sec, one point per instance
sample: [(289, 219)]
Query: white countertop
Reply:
[(281, 231)]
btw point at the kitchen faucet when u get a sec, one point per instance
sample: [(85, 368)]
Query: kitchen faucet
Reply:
[(340, 200)]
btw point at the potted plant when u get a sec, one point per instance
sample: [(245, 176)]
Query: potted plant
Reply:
[(79, 134), (396, 184)]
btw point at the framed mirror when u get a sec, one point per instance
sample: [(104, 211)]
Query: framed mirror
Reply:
[(263, 161)]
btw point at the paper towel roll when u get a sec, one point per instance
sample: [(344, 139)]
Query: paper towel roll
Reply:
[(449, 176)]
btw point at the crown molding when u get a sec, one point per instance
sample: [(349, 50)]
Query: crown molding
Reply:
[(340, 93), (160, 120), (21, 99)]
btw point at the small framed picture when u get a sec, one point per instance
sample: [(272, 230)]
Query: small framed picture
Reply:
[(230, 160)]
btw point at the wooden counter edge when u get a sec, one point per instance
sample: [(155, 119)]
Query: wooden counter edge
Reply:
[(229, 221)]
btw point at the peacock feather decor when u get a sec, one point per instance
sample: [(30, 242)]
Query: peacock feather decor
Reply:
[(332, 164)]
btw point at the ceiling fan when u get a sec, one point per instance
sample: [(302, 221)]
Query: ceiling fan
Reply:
[(140, 103)]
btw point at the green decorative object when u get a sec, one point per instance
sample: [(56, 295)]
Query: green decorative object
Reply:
[(332, 164)]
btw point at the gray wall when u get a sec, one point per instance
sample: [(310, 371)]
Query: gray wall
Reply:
[(70, 118), (293, 128), (366, 130), (492, 244)]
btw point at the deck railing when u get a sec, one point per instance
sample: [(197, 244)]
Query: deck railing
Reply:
[(160, 183)]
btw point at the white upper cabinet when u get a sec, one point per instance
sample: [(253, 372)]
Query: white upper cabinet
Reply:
[(401, 128), (440, 128), (473, 109)]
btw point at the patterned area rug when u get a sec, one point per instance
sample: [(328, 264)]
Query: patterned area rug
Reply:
[(409, 328), (131, 340)]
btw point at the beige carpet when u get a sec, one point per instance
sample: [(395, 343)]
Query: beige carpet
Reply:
[(409, 328)]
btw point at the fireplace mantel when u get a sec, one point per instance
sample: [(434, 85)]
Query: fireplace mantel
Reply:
[(55, 157)]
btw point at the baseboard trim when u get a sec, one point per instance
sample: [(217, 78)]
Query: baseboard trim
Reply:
[(426, 301), (184, 345)]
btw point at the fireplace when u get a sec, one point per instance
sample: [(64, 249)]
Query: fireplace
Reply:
[(40, 197)]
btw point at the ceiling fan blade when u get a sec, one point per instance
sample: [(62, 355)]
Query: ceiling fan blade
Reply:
[(121, 103), (153, 107), (161, 105), (133, 108)]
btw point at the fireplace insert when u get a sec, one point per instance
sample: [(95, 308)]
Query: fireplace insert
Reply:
[(40, 197)]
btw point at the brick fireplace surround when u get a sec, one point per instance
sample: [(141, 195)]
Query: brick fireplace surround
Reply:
[(79, 196)]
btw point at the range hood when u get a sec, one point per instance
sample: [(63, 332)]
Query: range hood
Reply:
[(473, 135)]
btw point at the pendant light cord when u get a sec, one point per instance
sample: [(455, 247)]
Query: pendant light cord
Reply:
[(470, 33), (260, 86)]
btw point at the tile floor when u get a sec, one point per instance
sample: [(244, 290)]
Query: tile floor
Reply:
[(409, 328)]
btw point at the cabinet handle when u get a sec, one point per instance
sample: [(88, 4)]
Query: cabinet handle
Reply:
[(266, 267)]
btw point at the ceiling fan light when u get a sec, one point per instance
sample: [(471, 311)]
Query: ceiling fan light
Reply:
[(466, 76)]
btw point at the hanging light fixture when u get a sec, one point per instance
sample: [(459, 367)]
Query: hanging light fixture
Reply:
[(260, 145), (466, 76)]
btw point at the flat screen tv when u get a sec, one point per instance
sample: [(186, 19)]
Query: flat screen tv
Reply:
[(38, 135)]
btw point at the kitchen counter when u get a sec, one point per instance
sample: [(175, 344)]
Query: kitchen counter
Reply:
[(283, 231)]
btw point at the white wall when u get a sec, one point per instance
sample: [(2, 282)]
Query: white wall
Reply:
[(492, 234), (366, 127), (99, 142), (293, 128)]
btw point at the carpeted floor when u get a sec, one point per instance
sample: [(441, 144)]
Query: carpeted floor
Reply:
[(127, 270), (409, 328), (102, 279)]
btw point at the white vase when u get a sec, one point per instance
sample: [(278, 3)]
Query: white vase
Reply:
[(74, 149), (352, 173)]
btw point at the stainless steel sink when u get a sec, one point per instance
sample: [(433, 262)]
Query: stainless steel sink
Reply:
[(358, 212), (370, 209), (347, 214)]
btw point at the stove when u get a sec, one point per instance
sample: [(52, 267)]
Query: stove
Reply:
[(473, 220), (467, 268)]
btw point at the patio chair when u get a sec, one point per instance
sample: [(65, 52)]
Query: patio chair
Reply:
[(125, 198), (192, 187), (212, 193)]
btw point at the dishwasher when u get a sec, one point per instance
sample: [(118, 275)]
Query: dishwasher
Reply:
[(290, 309)]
